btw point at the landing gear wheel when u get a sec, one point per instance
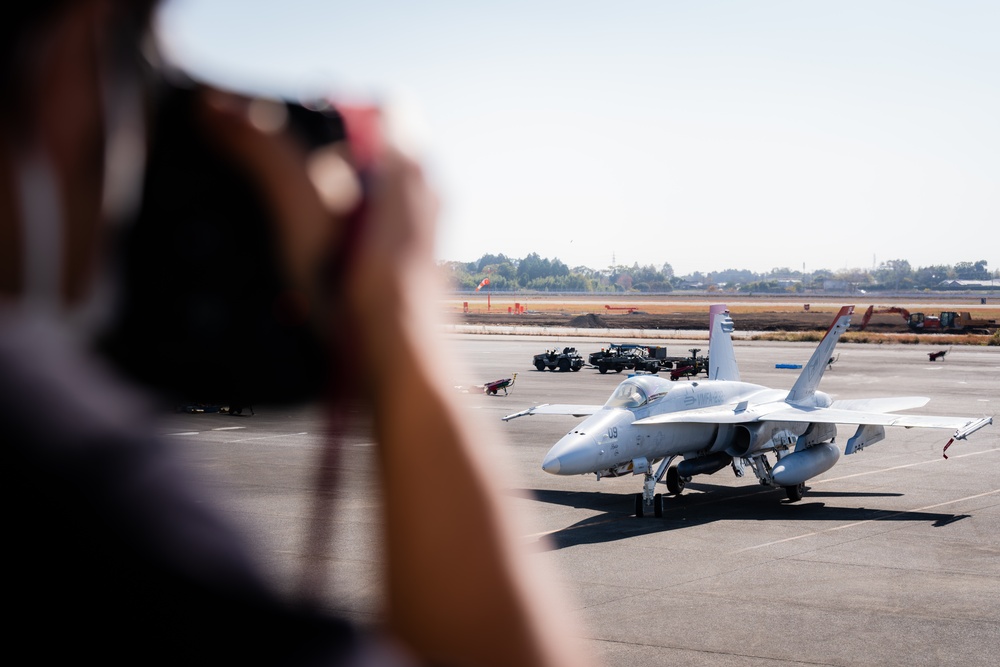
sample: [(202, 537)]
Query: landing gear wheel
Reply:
[(658, 505), (638, 506), (794, 493), (540, 365), (675, 483)]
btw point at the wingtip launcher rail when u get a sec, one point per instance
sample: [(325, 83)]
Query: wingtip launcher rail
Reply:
[(966, 431)]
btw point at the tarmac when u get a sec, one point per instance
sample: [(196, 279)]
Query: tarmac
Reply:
[(891, 558)]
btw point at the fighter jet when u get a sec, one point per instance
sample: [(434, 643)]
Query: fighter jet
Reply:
[(650, 422)]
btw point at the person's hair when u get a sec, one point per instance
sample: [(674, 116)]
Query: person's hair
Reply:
[(21, 21)]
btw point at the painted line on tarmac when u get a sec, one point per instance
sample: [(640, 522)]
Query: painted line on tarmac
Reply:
[(262, 437), (223, 428), (270, 437), (534, 536), (861, 523), (905, 465)]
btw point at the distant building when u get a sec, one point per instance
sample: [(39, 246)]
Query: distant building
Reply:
[(969, 284)]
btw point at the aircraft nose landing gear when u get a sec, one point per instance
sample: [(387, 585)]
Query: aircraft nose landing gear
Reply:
[(649, 499), (642, 508)]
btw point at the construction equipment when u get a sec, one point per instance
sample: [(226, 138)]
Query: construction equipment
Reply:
[(872, 310), (948, 321), (951, 322), (964, 321)]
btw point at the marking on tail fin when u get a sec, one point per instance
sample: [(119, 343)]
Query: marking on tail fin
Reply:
[(807, 382), (721, 356)]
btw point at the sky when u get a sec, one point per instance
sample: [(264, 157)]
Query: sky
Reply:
[(708, 134)]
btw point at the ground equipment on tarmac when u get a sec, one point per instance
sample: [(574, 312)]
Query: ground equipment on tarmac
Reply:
[(491, 388), (554, 360), (690, 366), (619, 357)]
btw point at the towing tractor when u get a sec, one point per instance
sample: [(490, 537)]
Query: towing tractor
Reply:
[(554, 360), (618, 357)]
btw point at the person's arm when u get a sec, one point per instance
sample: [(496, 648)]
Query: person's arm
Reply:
[(459, 590)]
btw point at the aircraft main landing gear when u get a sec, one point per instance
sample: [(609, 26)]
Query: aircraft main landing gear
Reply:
[(675, 483), (795, 492)]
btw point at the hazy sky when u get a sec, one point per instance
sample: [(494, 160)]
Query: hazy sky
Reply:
[(706, 134)]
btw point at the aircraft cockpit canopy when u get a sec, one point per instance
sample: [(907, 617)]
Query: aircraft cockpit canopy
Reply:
[(634, 393)]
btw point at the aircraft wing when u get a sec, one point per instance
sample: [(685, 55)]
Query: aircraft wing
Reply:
[(890, 404), (838, 415), (556, 409), (874, 411)]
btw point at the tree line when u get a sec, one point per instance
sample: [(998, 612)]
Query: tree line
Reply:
[(542, 274)]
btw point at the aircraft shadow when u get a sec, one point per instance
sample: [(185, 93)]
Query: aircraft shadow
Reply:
[(848, 494), (616, 520)]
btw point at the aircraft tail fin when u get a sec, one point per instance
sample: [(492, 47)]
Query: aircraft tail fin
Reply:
[(805, 387), (721, 356)]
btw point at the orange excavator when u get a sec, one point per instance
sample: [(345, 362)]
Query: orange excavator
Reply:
[(872, 310), (948, 321)]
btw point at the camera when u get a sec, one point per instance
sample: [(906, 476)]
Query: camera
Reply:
[(205, 315)]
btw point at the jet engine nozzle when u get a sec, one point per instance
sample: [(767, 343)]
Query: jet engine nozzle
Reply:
[(746, 439), (750, 438)]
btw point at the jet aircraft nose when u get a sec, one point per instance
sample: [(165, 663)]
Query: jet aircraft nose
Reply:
[(574, 454)]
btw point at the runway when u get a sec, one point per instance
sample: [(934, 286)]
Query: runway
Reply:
[(891, 558)]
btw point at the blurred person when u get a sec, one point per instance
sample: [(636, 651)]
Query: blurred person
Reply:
[(112, 557)]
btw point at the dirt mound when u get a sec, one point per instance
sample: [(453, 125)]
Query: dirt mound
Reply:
[(682, 321), (588, 321)]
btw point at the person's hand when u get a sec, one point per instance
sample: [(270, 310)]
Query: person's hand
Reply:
[(387, 282), (309, 193), (391, 279)]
